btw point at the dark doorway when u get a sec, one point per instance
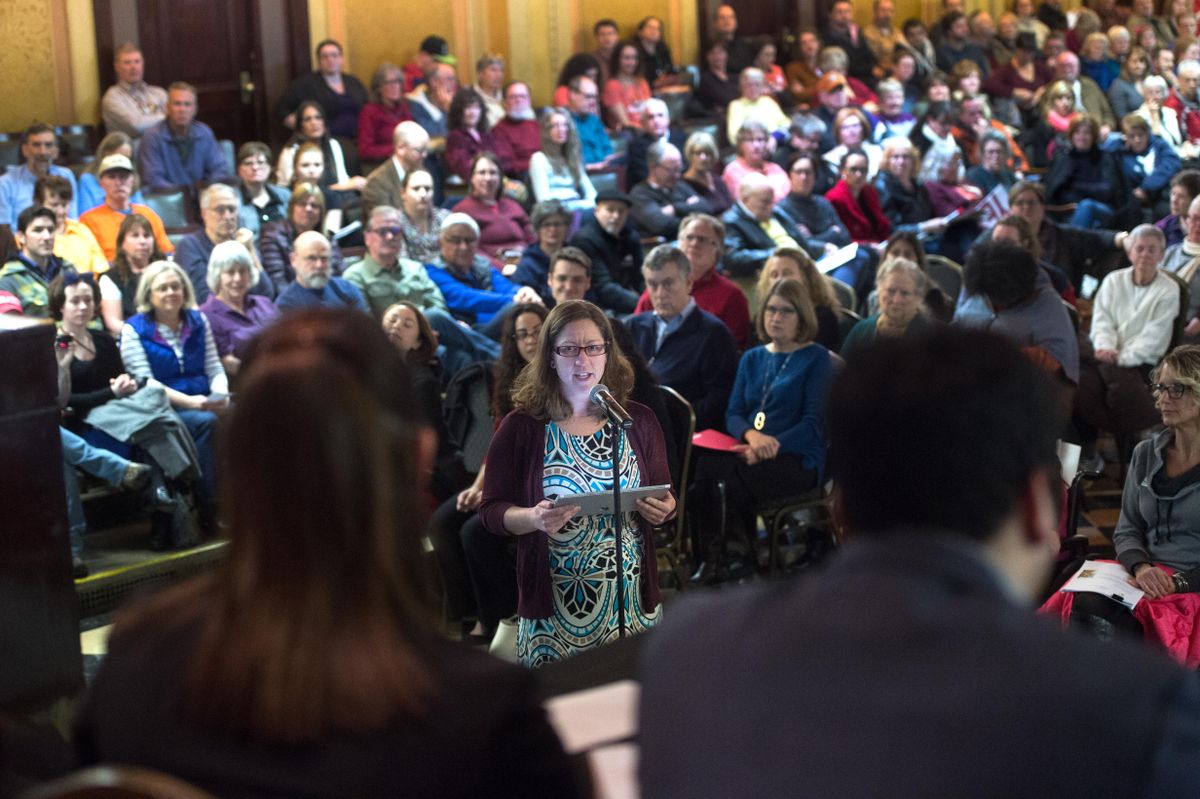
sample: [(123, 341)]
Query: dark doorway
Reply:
[(779, 19), (239, 54)]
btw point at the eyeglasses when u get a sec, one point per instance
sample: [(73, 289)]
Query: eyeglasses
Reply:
[(386, 231), (779, 310), (553, 223), (1172, 390), (573, 350), (524, 335), (703, 240)]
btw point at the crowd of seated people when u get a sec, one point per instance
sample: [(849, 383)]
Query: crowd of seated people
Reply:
[(481, 210)]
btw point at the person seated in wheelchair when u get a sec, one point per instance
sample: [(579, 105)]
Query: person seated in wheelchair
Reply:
[(777, 412)]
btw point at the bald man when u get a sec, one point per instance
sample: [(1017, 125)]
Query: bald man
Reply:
[(315, 285), (410, 143)]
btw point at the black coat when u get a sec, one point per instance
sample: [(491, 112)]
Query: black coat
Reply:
[(904, 669), (616, 264), (747, 246)]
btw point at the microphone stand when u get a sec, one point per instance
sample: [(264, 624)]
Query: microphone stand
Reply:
[(618, 526)]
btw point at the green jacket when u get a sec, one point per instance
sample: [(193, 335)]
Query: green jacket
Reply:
[(407, 281)]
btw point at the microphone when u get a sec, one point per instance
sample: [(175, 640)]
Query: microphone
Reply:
[(612, 409)]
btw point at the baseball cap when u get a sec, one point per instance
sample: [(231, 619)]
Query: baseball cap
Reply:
[(439, 48)]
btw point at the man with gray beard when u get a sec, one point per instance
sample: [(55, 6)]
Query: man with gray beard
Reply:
[(517, 136), (315, 286)]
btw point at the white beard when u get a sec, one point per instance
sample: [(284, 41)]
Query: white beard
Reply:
[(523, 115)]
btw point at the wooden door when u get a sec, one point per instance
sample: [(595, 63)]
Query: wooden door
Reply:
[(214, 47)]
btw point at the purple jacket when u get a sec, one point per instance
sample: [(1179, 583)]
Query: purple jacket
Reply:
[(514, 479)]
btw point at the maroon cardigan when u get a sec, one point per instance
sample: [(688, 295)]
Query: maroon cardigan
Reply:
[(514, 479)]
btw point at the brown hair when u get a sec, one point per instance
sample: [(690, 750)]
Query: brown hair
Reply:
[(795, 294), (510, 363), (817, 286), (120, 263), (536, 389), (426, 350), (302, 192), (1025, 233), (316, 622)]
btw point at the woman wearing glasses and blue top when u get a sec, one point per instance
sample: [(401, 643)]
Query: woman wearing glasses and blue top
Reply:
[(777, 414), (557, 442)]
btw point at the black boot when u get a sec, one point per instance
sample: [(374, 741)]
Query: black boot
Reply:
[(709, 523)]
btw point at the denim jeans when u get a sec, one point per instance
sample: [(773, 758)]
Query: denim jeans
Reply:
[(95, 461)]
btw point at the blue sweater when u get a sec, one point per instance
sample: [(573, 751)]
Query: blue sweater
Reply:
[(476, 297), (795, 405), (1166, 163), (339, 293)]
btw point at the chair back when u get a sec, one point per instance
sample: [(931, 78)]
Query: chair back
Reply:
[(946, 273), (847, 319), (171, 207), (467, 410), (683, 427), (10, 150), (1181, 319), (844, 292), (227, 150)]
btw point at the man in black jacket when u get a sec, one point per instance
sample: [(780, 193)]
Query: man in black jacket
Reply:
[(613, 244), (662, 200), (747, 244)]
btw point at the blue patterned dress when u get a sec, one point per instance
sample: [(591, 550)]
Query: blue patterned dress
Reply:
[(582, 566)]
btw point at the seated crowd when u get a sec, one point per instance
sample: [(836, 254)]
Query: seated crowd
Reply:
[(1025, 176)]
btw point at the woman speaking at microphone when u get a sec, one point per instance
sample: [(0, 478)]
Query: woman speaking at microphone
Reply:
[(558, 442)]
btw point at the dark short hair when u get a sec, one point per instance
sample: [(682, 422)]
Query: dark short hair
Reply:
[(605, 23), (966, 406), (251, 149), (1002, 271), (1189, 179), (56, 292), (573, 255), (26, 217), (36, 129), (325, 43), (52, 185)]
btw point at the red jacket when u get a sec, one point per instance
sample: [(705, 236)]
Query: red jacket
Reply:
[(864, 217), (1189, 117)]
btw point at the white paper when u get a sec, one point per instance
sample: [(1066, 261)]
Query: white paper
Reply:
[(587, 719), (839, 257), (614, 771), (1109, 579)]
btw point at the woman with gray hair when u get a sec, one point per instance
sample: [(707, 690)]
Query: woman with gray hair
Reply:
[(1164, 120), (170, 344), (234, 314), (901, 286), (386, 109)]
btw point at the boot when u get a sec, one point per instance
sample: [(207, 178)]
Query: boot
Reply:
[(711, 509)]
